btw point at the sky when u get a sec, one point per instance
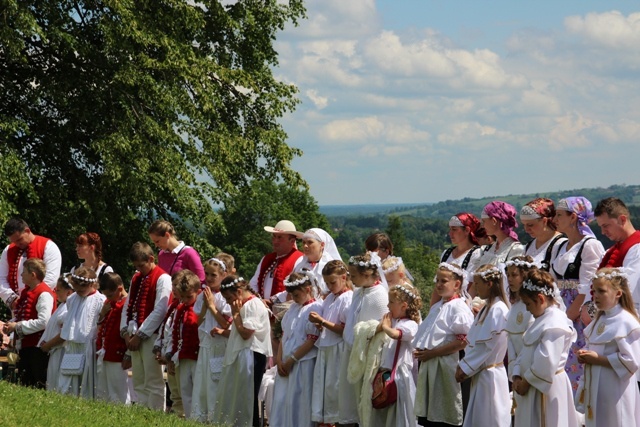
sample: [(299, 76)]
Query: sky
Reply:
[(419, 101)]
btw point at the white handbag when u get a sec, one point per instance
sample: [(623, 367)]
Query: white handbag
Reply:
[(215, 366), (72, 364)]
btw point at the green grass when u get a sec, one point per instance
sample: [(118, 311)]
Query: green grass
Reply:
[(20, 406)]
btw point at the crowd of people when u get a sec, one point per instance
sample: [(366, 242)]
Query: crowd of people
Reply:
[(537, 334)]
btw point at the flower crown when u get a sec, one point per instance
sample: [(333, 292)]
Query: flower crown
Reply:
[(83, 279), (489, 274), (372, 263), (220, 263), (298, 282), (613, 274), (232, 284), (452, 268), (393, 267), (520, 263), (550, 292), (405, 290)]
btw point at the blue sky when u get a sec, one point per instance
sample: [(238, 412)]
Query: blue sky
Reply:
[(420, 101)]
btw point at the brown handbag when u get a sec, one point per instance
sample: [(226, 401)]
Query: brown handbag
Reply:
[(385, 392)]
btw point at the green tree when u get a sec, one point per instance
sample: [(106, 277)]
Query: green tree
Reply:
[(113, 113), (396, 234), (264, 203)]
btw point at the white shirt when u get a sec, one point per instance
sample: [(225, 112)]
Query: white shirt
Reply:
[(268, 280), (155, 318), (44, 306)]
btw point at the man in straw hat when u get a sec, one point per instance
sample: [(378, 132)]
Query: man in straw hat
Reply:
[(277, 265)]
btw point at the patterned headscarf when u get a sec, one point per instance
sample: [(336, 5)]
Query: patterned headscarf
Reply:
[(466, 219), (581, 206), (505, 214)]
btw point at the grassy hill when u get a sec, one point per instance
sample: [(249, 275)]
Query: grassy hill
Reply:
[(28, 407)]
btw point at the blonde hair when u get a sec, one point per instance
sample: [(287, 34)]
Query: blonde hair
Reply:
[(490, 274), (618, 282), (364, 265), (83, 276), (411, 295), (336, 266), (37, 266), (185, 281)]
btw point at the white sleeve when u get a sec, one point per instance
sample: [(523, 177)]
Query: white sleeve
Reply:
[(592, 254), (631, 266), (167, 345), (546, 360), (123, 316), (254, 280), (161, 305), (5, 290), (44, 307), (626, 360), (475, 357), (53, 260)]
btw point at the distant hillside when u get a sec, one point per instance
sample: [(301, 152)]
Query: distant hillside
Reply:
[(630, 194)]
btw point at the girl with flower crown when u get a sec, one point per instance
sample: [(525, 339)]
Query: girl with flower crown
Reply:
[(608, 392), (538, 372), (80, 330), (438, 341), (296, 356), (484, 355), (246, 355)]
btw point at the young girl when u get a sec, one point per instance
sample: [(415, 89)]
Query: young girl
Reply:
[(538, 373), (79, 331), (113, 360), (394, 271), (519, 318), (400, 324), (369, 302), (245, 357), (438, 341), (181, 360), (608, 392), (51, 342), (214, 316), (484, 355), (330, 319), (296, 356)]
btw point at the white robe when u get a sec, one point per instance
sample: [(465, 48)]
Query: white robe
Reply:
[(438, 395), (54, 328), (541, 363), (489, 403), (518, 321), (610, 394)]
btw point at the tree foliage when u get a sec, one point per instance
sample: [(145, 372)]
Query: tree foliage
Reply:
[(113, 113)]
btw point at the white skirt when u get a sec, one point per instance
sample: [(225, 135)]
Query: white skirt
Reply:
[(349, 394), (489, 402), (80, 385), (325, 403), (292, 397), (401, 413), (53, 369), (205, 384), (234, 398)]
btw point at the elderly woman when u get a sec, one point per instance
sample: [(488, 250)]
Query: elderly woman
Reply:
[(318, 248), (574, 267), (499, 219), (537, 218), (89, 250)]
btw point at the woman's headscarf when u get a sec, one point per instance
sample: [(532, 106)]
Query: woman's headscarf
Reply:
[(581, 206), (466, 219), (505, 214)]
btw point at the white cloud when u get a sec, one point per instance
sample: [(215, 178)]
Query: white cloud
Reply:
[(609, 29), (319, 101)]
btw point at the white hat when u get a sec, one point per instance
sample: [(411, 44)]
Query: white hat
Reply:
[(284, 226)]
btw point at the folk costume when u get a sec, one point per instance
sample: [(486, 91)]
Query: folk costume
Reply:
[(541, 364), (268, 279), (608, 396), (292, 394), (489, 403), (438, 395), (111, 383), (518, 321), (243, 367), (326, 376), (11, 262), (210, 357), (329, 253), (143, 312), (79, 332), (53, 329)]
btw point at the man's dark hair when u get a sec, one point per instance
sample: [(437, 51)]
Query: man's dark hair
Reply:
[(13, 225)]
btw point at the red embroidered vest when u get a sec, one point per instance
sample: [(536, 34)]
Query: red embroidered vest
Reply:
[(142, 295), (185, 333), (279, 267), (14, 253), (615, 255), (109, 333), (27, 310)]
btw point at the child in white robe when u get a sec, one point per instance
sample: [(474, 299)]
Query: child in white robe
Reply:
[(400, 324), (369, 302), (330, 319), (80, 330), (489, 402), (608, 392), (51, 341), (437, 344), (296, 356), (214, 317), (538, 374), (246, 355), (519, 318)]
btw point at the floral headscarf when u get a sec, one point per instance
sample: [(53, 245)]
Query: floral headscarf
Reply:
[(505, 214), (581, 206)]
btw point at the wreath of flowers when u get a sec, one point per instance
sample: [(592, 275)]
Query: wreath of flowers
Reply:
[(232, 284), (528, 285)]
